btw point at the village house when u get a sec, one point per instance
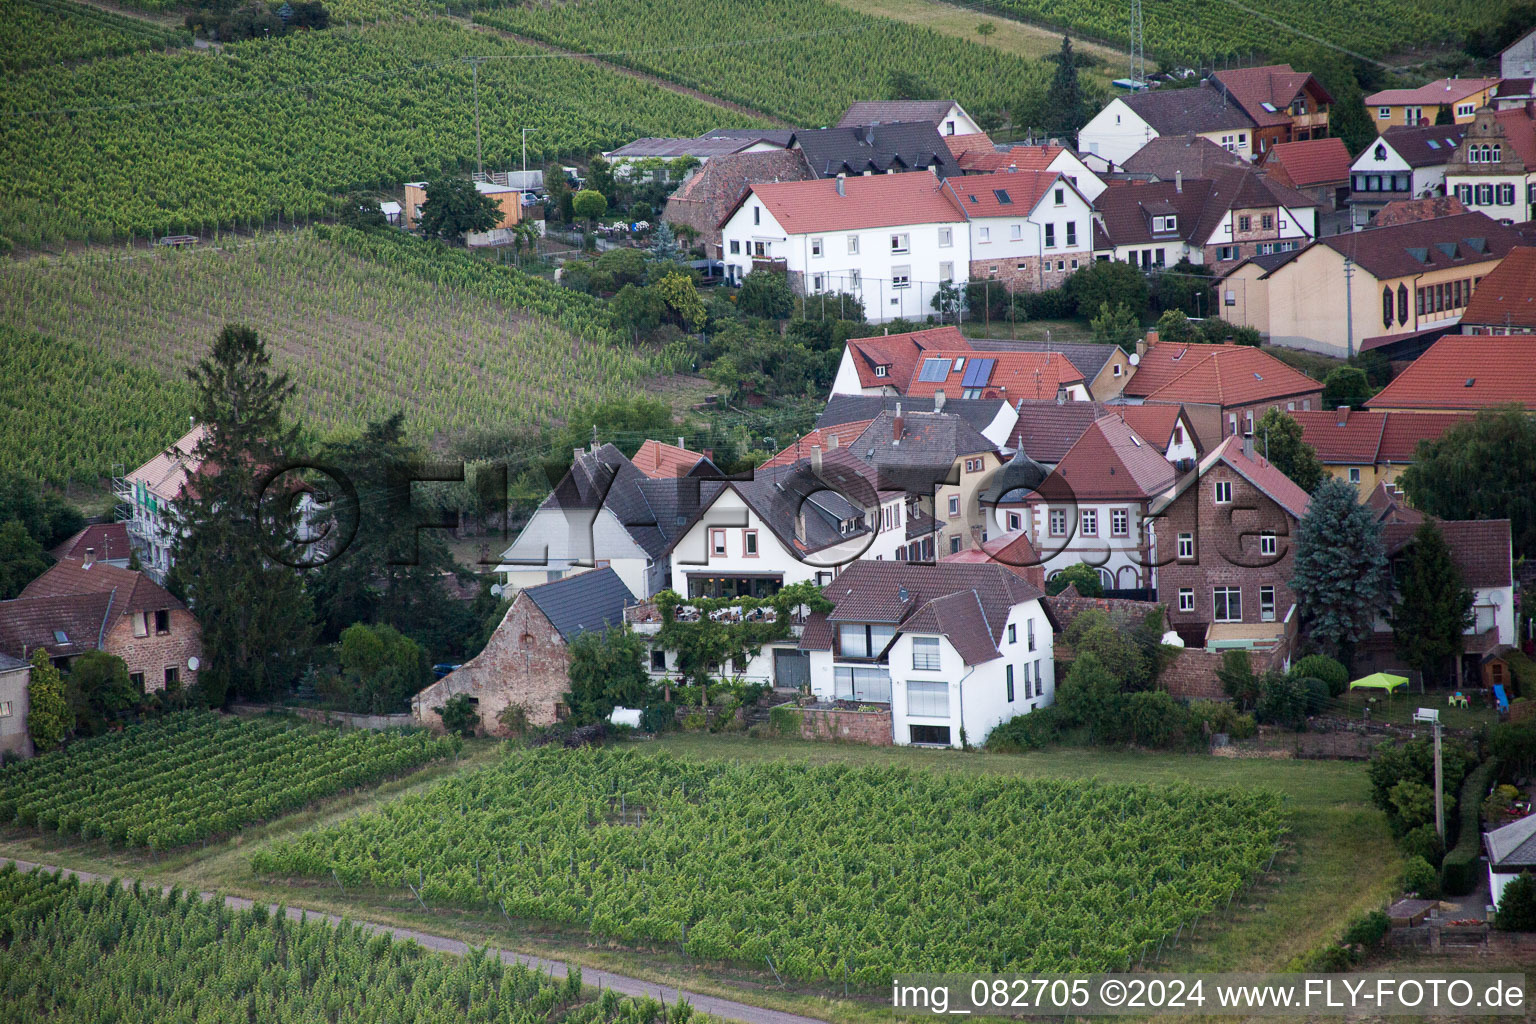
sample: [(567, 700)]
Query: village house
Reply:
[(703, 200), (992, 418), (108, 541), (1286, 105), (1405, 162), (1317, 168), (526, 663), (1104, 368), (1029, 230), (1511, 853), (954, 649), (15, 679), (1401, 279), (1048, 430), (1461, 96), (891, 239), (1216, 221), (1168, 157), (1494, 169), (948, 118), (1012, 551), (895, 148), (81, 604), (1517, 68), (1129, 122), (1237, 383), (1505, 301), (611, 512), (1093, 506), (695, 152), (978, 154), (1225, 549), (1370, 448), (1010, 376), (1464, 373), (147, 498), (509, 202)]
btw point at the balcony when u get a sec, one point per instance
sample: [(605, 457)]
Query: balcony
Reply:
[(645, 618)]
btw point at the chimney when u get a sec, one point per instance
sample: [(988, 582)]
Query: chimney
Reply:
[(681, 442), (1343, 412), (831, 441), (939, 398), (869, 135), (901, 593), (816, 459), (579, 453), (90, 557), (1061, 394), (897, 424), (1178, 182), (1248, 445), (841, 189)]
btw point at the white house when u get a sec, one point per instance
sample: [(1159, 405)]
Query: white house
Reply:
[(1029, 230), (1511, 851), (147, 498), (947, 116), (1494, 169), (1405, 162), (892, 239), (954, 648), (1127, 123)]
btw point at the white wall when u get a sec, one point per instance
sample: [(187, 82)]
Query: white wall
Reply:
[(729, 512), (1519, 210), (1299, 226), (1494, 607), (1115, 133), (569, 541), (847, 380), (1071, 167), (1121, 556), (1030, 225)]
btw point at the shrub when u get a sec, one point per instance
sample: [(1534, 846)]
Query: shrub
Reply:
[(784, 721), (1320, 666), (1368, 929), (1424, 842), (1420, 878), (459, 715), (1219, 716), (1237, 678), (1026, 732), (1517, 907), (1282, 701), (1461, 871)]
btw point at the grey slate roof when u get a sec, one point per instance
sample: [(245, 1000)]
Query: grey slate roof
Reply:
[(1020, 473), (1187, 111), (667, 148), (777, 136), (1514, 845), (10, 664), (923, 456), (905, 146), (887, 111), (592, 600), (1413, 143), (978, 412)]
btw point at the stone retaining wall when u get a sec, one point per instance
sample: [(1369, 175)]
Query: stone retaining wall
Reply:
[(869, 727)]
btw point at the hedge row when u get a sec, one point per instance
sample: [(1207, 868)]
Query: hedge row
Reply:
[(1458, 872)]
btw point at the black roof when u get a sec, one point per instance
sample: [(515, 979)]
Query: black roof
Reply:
[(586, 601), (10, 664), (1187, 111), (903, 146), (978, 412)]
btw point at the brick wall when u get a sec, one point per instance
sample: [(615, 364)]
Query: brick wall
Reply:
[(1193, 675), (526, 662), (151, 655), (1028, 273), (869, 727)]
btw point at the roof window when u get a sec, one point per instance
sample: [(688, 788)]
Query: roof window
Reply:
[(1470, 381), (60, 637)]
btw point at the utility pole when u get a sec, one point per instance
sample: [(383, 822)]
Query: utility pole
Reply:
[(1349, 304), (525, 156), (1138, 49), (1432, 716), (474, 73)]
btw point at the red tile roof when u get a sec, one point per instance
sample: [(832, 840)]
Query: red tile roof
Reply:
[(1261, 473), (1013, 551), (899, 353), (960, 619), (1462, 371), (1446, 90), (1155, 423), (822, 437), (871, 201), (659, 460), (1480, 548), (1404, 430), (1047, 431), (1109, 462), (1343, 436), (1017, 158), (166, 473), (979, 193), (1014, 375), (1274, 84), (70, 576), (1406, 211), (1225, 375), (1309, 163), (1507, 295), (110, 541)]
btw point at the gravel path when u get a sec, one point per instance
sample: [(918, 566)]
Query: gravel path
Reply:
[(724, 1009)]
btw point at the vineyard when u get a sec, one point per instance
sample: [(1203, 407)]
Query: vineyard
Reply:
[(38, 32), (1197, 31), (104, 952), (195, 775), (364, 324), (273, 131), (800, 60), (818, 872), (68, 412)]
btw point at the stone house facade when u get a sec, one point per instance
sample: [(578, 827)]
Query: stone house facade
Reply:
[(15, 676)]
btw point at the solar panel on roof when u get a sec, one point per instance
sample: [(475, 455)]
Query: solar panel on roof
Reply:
[(934, 370), (978, 373)]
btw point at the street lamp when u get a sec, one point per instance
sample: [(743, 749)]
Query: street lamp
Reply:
[(1431, 717)]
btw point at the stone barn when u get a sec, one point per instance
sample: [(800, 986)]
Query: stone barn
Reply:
[(527, 660)]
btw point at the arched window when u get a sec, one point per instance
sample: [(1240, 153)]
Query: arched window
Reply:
[(1386, 306), (1402, 304), (1493, 153), (1106, 579)]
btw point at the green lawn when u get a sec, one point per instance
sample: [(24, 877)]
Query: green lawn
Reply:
[(1029, 330), (1400, 708)]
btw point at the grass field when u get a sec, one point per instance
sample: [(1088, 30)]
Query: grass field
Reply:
[(361, 337), (1317, 884)]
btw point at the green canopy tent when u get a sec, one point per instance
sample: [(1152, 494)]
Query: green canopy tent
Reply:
[(1379, 681)]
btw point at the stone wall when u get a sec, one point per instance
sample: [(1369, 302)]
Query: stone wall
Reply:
[(1029, 273), (873, 728), (1193, 675), (151, 655), (526, 662), (350, 720)]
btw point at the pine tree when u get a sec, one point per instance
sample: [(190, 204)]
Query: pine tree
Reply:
[(254, 611), (1340, 579), (1434, 606), (48, 716), (1278, 439), (1065, 98), (664, 243)]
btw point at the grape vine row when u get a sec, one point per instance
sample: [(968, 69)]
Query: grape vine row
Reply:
[(194, 775), (822, 872), (38, 32)]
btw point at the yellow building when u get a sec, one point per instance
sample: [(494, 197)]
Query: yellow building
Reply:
[(509, 200), (1370, 448), (1463, 97)]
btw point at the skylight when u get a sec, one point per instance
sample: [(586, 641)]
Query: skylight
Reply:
[(1002, 196), (1469, 382), (1258, 376), (59, 636), (1434, 144), (1269, 107)]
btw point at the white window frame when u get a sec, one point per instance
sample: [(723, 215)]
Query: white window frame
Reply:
[(925, 654), (1050, 236), (1186, 548), (1354, 474), (927, 698), (817, 248), (901, 242), (954, 506), (853, 245), (1222, 494), (1119, 521), (1089, 522), (1269, 544), (1267, 602), (1222, 597), (1186, 599), (1058, 522), (717, 541), (901, 277), (983, 236), (946, 237), (946, 271)]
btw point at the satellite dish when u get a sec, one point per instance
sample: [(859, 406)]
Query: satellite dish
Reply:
[(496, 589), (1135, 359), (192, 663)]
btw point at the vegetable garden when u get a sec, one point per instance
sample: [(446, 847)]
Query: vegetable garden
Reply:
[(1210, 30), (273, 131), (817, 872), (37, 32), (195, 775), (98, 952), (365, 324), (802, 60)]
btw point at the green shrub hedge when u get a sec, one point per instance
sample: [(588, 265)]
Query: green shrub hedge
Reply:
[(1458, 872)]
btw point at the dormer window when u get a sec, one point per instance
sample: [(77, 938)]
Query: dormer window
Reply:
[(1163, 225), (880, 371)]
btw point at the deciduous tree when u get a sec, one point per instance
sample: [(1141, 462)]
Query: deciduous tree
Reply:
[(1116, 325), (455, 208), (1484, 469), (1346, 385), (22, 559), (48, 716), (1278, 438)]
